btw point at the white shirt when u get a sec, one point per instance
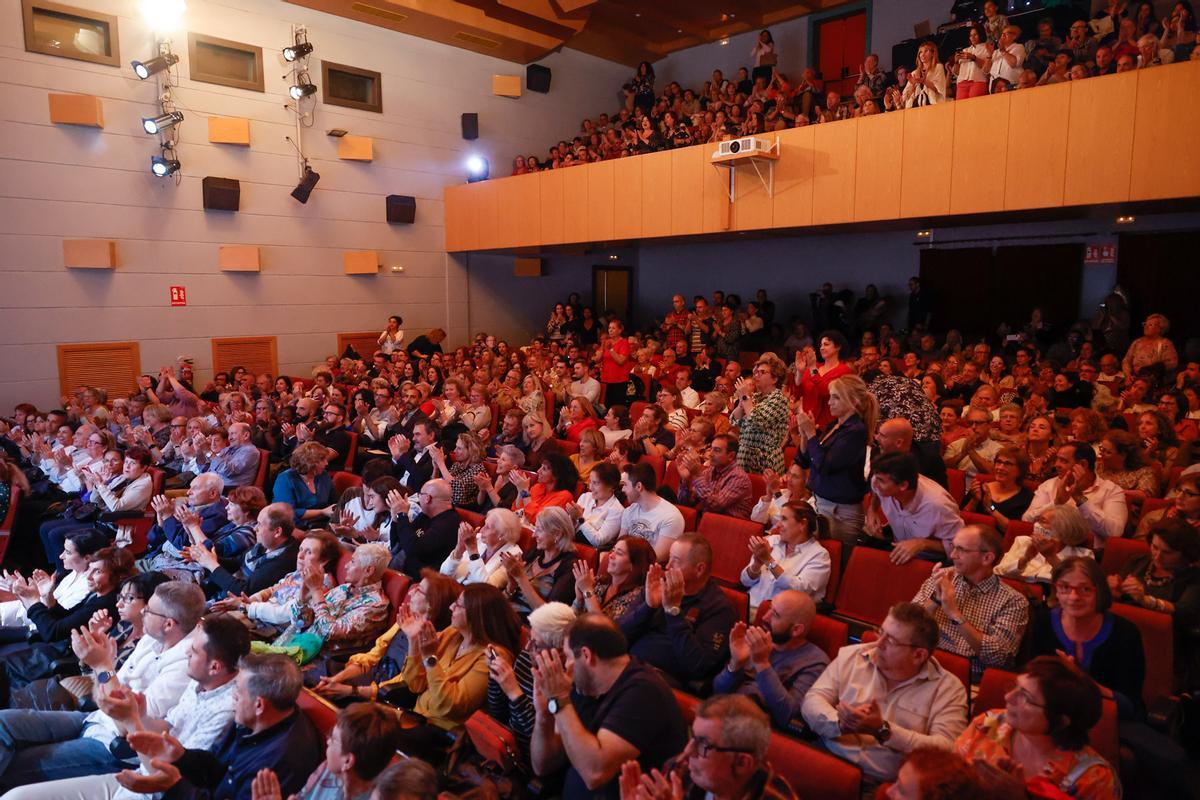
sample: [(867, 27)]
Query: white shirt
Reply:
[(612, 437), (477, 570), (600, 524), (1000, 67), (69, 592), (662, 520), (769, 509), (931, 514), (1037, 569), (806, 568), (957, 457), (969, 70), (1103, 507), (161, 675), (589, 388)]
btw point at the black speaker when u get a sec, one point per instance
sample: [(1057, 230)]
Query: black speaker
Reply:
[(401, 208), (222, 194), (537, 78), (470, 126)]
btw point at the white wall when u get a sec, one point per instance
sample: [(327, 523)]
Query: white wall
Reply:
[(61, 182)]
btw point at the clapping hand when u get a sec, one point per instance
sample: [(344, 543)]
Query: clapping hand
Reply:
[(502, 673), (654, 586), (739, 647), (436, 454), (161, 776), (203, 556), (860, 718), (673, 588), (771, 479), (585, 579), (744, 389), (805, 424), (514, 565), (265, 786), (636, 785), (100, 623), (1133, 588), (97, 650), (398, 445), (549, 674), (397, 503), (760, 549), (43, 582)]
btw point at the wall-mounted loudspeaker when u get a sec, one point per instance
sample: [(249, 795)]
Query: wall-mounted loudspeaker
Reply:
[(470, 126), (222, 194), (537, 78), (401, 208)]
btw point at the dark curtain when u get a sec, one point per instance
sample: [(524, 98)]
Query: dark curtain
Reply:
[(1160, 272)]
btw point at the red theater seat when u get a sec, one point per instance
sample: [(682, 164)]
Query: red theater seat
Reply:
[(872, 584), (729, 537)]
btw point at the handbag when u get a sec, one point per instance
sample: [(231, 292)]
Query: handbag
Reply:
[(494, 743)]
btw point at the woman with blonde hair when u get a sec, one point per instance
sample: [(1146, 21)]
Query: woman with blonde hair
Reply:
[(477, 413), (467, 463), (539, 438), (591, 453), (534, 398), (927, 82)]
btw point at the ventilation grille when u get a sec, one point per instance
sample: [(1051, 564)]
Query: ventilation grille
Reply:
[(478, 41), (256, 353), (111, 366), (382, 13), (364, 343)]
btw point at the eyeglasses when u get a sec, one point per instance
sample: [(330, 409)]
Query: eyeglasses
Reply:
[(125, 597), (148, 610), (704, 747), (1026, 698), (956, 549), (178, 425), (886, 639), (1082, 589)]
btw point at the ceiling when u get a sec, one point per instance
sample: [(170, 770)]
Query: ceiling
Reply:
[(523, 31)]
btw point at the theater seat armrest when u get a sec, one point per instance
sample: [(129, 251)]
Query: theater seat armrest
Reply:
[(1164, 714)]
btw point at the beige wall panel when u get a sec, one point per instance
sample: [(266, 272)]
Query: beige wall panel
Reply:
[(550, 184), (1166, 160), (489, 214), (979, 157), (656, 194), (925, 160), (627, 199), (1100, 139), (793, 202), (529, 217), (1037, 162), (687, 189), (507, 211), (834, 155), (601, 199), (878, 169), (575, 203)]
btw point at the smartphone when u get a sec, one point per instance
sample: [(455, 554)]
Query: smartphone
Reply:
[(491, 653)]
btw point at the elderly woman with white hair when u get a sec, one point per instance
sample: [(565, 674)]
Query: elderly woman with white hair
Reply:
[(546, 573), (1059, 533), (510, 688), (1151, 349), (478, 555)]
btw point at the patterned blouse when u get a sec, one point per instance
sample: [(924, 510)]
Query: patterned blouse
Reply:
[(619, 604), (463, 489), (1142, 479), (1080, 773), (763, 432)]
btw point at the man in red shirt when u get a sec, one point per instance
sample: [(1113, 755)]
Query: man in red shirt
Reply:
[(615, 364)]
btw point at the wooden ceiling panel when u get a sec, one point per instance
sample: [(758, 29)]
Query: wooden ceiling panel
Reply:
[(523, 31)]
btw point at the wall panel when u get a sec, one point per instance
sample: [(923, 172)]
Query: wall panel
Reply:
[(488, 209), (601, 197), (687, 189), (627, 198), (753, 208), (979, 154), (1100, 139), (529, 211), (878, 168), (575, 204), (717, 214), (1037, 147), (835, 148), (550, 198), (1166, 161), (508, 210), (792, 205), (656, 194)]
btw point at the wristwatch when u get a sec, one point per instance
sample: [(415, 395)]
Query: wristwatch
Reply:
[(555, 704), (104, 676), (430, 662), (884, 732), (588, 594), (473, 557), (672, 610)]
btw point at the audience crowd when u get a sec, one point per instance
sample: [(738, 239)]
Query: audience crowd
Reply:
[(1000, 57)]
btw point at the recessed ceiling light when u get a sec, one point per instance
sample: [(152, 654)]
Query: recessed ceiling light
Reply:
[(924, 234), (1126, 220)]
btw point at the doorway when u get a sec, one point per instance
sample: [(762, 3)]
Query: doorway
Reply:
[(841, 45), (612, 291)]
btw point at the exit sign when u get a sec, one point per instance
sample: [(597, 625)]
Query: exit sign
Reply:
[(178, 296)]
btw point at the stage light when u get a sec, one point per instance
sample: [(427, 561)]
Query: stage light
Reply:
[(302, 89), (162, 166), (1126, 220), (477, 169), (297, 51), (924, 234), (163, 15), (155, 125), (306, 185), (144, 69)]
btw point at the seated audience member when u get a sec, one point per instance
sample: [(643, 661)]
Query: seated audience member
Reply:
[(511, 434), (774, 663), (1101, 502), (1005, 498), (369, 674), (478, 555), (539, 439), (555, 486), (896, 436), (933, 773), (204, 713), (410, 779), (974, 453), (591, 453), (687, 395), (880, 700), (168, 535), (466, 466), (725, 758), (781, 491), (510, 686), (979, 617), (1105, 645), (271, 732), (545, 573), (922, 516), (1041, 735), (597, 514), (237, 462), (229, 542), (500, 492), (721, 487), (1120, 459), (1185, 506), (426, 540), (649, 516), (445, 674), (682, 623), (622, 582), (38, 746), (790, 557), (651, 433), (66, 588), (607, 709), (361, 744), (306, 486), (1060, 532), (272, 556), (273, 609), (346, 617), (584, 385), (578, 416), (412, 464), (671, 403), (616, 426)]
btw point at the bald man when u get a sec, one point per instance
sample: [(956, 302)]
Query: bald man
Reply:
[(773, 662), (237, 463), (896, 436), (431, 536)]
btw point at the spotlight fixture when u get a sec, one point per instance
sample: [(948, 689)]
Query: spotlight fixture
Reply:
[(337, 133), (144, 69), (302, 89), (306, 185), (162, 166), (477, 169), (155, 125), (924, 234), (1129, 220), (297, 51)]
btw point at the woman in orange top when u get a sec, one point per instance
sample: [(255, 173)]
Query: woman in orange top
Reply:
[(580, 416), (556, 482), (1040, 737)]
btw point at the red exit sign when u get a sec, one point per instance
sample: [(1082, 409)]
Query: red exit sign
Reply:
[(178, 296)]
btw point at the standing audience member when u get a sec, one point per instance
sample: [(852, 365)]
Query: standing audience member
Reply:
[(922, 516), (761, 416)]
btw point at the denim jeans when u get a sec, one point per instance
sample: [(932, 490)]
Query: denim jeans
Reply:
[(40, 746)]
